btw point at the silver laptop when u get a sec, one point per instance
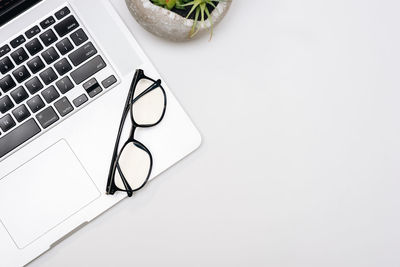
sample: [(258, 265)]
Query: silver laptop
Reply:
[(65, 73)]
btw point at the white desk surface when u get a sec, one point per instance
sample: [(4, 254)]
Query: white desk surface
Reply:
[(298, 103)]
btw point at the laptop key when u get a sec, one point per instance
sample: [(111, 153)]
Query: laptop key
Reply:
[(19, 56), (34, 46), (64, 46), (33, 85), (6, 123), (32, 32), (18, 41), (47, 22), (35, 65), (88, 69), (66, 26), (63, 106), (7, 83), (4, 50), (79, 37), (109, 81), (19, 94), (62, 66), (50, 55), (6, 65), (18, 136), (80, 100), (50, 94), (48, 76), (21, 113), (64, 85), (48, 37), (82, 54), (35, 103), (92, 87), (62, 13), (47, 117), (5, 104), (21, 74)]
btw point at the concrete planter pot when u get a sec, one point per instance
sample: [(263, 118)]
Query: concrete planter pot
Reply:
[(168, 24)]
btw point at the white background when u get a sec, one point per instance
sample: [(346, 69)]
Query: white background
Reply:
[(298, 106)]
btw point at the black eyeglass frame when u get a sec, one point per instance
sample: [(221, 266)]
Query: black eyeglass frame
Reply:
[(111, 186)]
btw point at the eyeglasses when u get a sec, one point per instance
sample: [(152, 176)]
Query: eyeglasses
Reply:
[(131, 165)]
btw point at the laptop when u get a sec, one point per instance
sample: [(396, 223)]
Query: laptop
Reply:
[(66, 67)]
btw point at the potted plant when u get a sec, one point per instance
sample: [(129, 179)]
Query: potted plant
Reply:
[(178, 20)]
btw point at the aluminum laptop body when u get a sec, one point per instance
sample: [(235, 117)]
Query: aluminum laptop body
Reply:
[(54, 180)]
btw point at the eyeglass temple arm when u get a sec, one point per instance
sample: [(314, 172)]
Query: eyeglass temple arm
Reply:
[(149, 89), (128, 188), (135, 79)]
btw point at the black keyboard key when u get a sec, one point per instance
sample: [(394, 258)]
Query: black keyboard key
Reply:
[(19, 94), (4, 50), (66, 26), (18, 41), (6, 65), (50, 94), (48, 37), (79, 37), (50, 55), (5, 104), (109, 81), (62, 66), (80, 100), (19, 56), (32, 32), (64, 85), (21, 113), (62, 13), (33, 85), (7, 83), (47, 117), (88, 69), (35, 103), (89, 84), (21, 74), (48, 76), (92, 87), (47, 22), (18, 136), (64, 46), (35, 65), (82, 54), (63, 106), (95, 91), (34, 46), (6, 123)]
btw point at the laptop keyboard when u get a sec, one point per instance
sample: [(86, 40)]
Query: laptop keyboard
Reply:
[(47, 72)]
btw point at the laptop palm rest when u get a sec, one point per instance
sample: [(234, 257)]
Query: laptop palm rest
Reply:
[(43, 193)]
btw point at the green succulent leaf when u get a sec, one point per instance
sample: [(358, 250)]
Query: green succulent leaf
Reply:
[(198, 7)]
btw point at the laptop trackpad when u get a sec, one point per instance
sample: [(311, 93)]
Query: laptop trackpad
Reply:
[(43, 193)]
